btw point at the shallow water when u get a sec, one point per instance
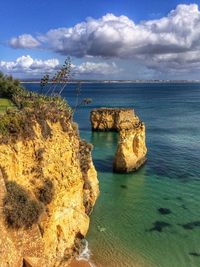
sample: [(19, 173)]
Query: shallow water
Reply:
[(127, 228)]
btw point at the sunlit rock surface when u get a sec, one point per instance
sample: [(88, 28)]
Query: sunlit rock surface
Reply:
[(66, 160), (112, 119), (131, 149)]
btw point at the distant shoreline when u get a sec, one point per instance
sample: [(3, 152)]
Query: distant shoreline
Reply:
[(122, 82)]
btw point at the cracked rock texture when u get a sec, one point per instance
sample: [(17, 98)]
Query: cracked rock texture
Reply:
[(131, 149), (65, 160), (112, 119)]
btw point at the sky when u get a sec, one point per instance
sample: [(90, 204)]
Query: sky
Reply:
[(106, 39)]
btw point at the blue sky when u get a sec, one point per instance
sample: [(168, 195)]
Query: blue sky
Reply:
[(106, 39)]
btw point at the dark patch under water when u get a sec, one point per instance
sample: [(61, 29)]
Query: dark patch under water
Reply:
[(123, 186), (159, 225), (164, 211), (195, 254), (191, 225), (164, 169), (184, 207), (179, 198), (165, 198)]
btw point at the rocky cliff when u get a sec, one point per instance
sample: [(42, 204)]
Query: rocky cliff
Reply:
[(51, 156), (131, 149)]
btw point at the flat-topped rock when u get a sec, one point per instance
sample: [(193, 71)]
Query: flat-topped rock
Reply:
[(112, 119)]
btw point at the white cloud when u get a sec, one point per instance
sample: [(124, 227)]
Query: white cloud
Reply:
[(180, 62), (112, 36), (24, 41), (27, 66), (99, 68), (169, 43)]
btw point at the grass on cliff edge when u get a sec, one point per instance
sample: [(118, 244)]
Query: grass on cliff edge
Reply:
[(5, 104), (26, 108)]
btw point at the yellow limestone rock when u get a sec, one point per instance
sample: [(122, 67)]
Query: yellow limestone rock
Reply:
[(112, 119), (66, 160), (131, 150)]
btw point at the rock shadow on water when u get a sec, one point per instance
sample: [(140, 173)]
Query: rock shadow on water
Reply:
[(191, 225), (167, 171), (158, 226), (104, 165), (102, 138), (164, 211)]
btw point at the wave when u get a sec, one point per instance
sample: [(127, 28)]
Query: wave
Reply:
[(85, 255)]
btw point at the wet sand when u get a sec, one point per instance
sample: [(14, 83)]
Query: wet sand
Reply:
[(81, 263)]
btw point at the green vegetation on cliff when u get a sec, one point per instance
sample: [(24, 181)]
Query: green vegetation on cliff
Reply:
[(5, 104), (31, 107), (19, 208)]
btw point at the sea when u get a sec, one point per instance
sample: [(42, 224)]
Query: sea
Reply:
[(150, 218)]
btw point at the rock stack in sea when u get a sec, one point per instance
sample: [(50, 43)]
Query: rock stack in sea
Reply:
[(112, 119), (131, 150)]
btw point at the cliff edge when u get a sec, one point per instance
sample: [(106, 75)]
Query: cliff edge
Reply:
[(48, 183)]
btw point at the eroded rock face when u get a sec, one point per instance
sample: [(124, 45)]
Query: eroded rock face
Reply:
[(112, 119), (65, 160), (131, 149)]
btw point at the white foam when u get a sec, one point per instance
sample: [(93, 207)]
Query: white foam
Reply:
[(85, 254)]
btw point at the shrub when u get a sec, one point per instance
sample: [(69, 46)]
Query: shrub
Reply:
[(22, 98), (30, 107), (39, 153), (19, 209), (46, 192), (45, 128), (9, 86), (85, 155), (16, 123)]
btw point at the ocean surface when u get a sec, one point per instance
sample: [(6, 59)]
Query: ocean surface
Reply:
[(127, 229)]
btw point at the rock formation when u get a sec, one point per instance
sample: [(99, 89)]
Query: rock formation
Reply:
[(65, 160), (131, 149), (112, 119)]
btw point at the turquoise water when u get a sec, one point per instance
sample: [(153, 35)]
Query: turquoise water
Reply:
[(127, 228)]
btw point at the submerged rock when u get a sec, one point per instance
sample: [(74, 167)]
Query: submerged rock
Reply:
[(164, 211), (191, 225), (124, 186), (159, 226), (195, 254)]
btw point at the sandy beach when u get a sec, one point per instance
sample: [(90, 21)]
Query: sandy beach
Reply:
[(80, 263)]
